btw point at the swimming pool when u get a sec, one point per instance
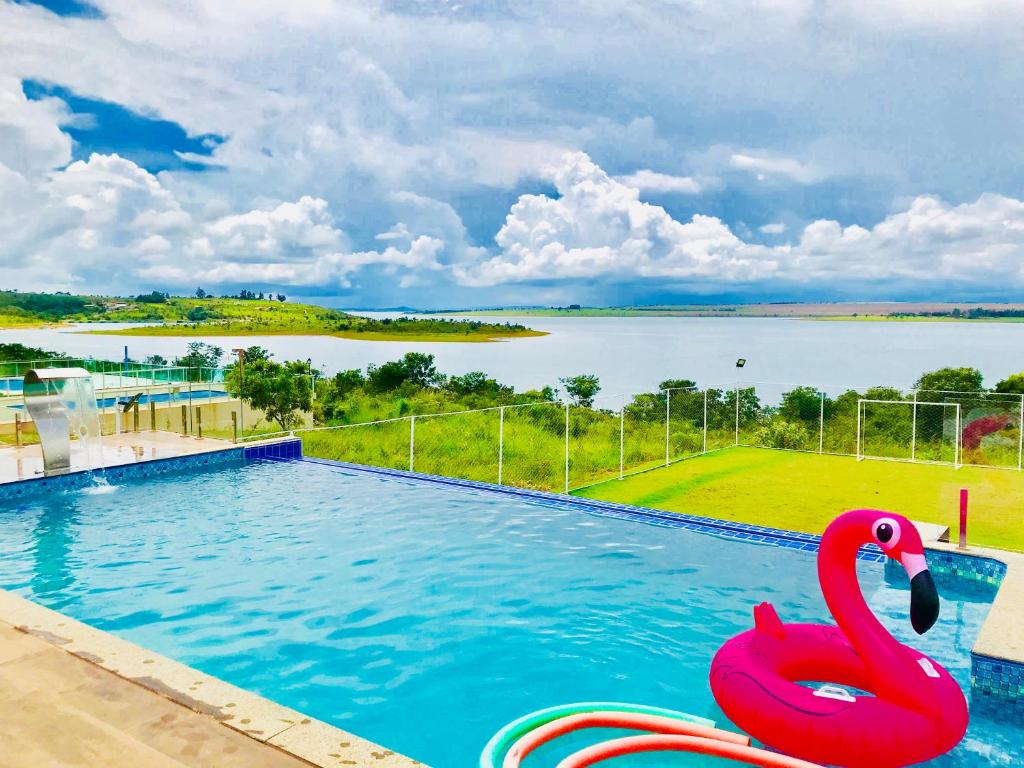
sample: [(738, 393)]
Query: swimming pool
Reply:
[(424, 617), (183, 396)]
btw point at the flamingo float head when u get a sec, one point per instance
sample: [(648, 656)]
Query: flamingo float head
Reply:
[(898, 539)]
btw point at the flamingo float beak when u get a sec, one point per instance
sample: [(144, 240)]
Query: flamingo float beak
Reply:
[(924, 597)]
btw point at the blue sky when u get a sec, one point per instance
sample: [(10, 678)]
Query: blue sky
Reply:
[(439, 154)]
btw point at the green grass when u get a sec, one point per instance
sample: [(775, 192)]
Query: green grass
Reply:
[(803, 492), (465, 445)]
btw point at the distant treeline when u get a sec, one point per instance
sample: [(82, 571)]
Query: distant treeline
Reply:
[(976, 313)]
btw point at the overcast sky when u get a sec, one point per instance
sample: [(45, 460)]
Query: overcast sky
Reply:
[(452, 153)]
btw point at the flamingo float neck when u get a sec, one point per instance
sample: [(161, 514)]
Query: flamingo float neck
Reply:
[(891, 667)]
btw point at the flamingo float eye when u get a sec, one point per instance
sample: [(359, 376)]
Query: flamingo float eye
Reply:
[(887, 532)]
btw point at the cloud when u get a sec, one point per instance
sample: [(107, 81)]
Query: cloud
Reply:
[(652, 181), (599, 229), (763, 166), (775, 228), (352, 126), (106, 222), (31, 138), (287, 231)]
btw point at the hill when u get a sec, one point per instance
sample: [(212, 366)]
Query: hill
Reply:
[(235, 316)]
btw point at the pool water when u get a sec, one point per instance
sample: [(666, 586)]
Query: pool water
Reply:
[(183, 396), (425, 617)]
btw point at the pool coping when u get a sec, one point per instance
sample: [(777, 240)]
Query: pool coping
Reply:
[(279, 727)]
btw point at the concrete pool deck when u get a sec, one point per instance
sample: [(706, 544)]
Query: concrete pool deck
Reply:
[(26, 462), (75, 696)]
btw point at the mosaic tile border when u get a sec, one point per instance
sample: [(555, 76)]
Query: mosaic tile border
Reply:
[(997, 688), (150, 468), (974, 568), (290, 448)]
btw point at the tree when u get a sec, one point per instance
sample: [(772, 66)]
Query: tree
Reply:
[(281, 297), (200, 355), (281, 391), (415, 368), (201, 294), (1012, 384), (478, 383), (581, 389), (348, 381), (152, 298), (155, 360), (950, 380), (254, 353), (803, 404), (198, 314)]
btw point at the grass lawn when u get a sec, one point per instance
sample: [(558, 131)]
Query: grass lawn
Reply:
[(803, 492)]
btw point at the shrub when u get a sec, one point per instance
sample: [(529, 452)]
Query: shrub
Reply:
[(779, 433)]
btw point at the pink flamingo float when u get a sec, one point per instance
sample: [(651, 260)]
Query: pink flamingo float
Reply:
[(915, 710)]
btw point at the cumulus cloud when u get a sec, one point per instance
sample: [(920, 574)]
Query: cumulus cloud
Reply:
[(387, 139), (599, 229), (107, 223), (764, 165), (652, 181), (775, 228), (31, 138)]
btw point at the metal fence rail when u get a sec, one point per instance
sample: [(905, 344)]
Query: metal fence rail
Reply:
[(559, 446)]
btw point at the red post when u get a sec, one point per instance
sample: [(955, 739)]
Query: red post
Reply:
[(963, 519)]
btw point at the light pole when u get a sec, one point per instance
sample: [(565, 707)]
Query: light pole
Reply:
[(241, 385)]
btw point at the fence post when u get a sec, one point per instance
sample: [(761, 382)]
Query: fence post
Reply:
[(705, 446), (1020, 434), (567, 448), (234, 426), (135, 416), (859, 406), (501, 440), (956, 444), (412, 443), (913, 430), (184, 419), (17, 430), (821, 424), (152, 415), (622, 438), (668, 401), (737, 440), (199, 423)]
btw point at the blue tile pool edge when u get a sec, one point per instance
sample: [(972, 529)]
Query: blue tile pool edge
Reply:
[(77, 480), (287, 448)]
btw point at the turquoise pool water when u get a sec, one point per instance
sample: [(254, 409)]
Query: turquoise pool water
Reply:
[(424, 617)]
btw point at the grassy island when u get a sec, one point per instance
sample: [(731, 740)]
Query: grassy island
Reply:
[(243, 315)]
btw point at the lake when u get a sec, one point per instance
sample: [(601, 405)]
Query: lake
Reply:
[(634, 354)]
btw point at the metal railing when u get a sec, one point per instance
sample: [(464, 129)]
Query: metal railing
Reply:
[(560, 446)]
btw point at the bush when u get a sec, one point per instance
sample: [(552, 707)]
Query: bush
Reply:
[(779, 433)]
